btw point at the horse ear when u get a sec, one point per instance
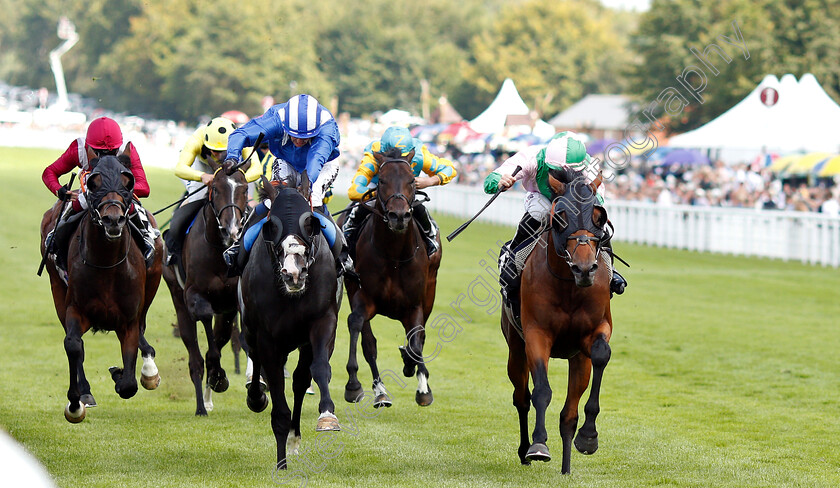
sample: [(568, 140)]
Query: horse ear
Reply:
[(599, 216), (557, 186), (303, 186), (410, 156), (267, 190)]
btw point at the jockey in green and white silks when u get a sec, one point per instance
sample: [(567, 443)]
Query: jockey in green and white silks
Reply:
[(564, 150)]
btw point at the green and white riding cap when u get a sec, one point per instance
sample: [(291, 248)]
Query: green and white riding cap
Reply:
[(565, 149)]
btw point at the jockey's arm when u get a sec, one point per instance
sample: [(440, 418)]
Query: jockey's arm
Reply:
[(141, 184), (246, 135), (367, 170), (65, 163), (187, 157), (440, 170), (502, 177), (254, 171)]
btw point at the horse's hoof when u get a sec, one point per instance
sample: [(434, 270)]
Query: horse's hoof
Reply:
[(327, 422), (293, 444), (88, 400), (424, 399), (353, 395), (382, 400), (77, 416), (538, 452), (409, 364), (257, 405), (263, 384), (126, 391), (220, 383), (310, 390), (586, 445), (150, 382)]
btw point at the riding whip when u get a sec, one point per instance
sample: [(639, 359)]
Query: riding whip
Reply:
[(48, 244), (465, 224)]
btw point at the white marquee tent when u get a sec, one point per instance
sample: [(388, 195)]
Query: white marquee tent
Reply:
[(507, 102), (777, 116)]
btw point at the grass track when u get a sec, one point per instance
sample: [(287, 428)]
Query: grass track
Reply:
[(723, 373)]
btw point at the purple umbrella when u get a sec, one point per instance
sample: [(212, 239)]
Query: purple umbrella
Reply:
[(685, 156), (599, 145)]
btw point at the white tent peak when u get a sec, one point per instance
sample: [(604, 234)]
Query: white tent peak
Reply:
[(803, 117), (507, 102)]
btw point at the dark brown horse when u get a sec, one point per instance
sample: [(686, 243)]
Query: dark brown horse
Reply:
[(201, 289), (108, 285), (397, 279), (290, 297), (565, 297)]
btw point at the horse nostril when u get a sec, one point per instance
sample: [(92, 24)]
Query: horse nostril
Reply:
[(575, 269), (593, 268)]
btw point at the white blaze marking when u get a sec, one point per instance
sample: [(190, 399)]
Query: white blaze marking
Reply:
[(292, 248)]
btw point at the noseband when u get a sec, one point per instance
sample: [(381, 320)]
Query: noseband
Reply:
[(218, 213), (96, 214)]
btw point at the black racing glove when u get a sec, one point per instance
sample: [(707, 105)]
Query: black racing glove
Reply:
[(63, 193)]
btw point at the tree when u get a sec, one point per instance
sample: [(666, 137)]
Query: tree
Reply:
[(555, 51), (780, 37)]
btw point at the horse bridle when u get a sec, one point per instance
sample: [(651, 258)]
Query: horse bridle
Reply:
[(218, 213), (96, 214), (566, 235), (384, 204), (96, 219)]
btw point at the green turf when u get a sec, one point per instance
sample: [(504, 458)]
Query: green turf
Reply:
[(723, 373)]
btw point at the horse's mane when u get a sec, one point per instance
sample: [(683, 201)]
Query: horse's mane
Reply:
[(565, 175), (393, 153)]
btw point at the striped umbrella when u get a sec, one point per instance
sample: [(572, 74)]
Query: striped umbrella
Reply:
[(805, 164), (828, 167)]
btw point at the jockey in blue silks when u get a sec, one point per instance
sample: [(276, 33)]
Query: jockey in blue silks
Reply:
[(302, 135)]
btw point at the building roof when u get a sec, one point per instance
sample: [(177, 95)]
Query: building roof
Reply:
[(600, 112)]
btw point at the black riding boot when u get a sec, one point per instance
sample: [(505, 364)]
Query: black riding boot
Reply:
[(343, 261), (618, 283), (145, 232), (57, 240), (509, 276), (174, 237), (429, 228), (235, 257), (350, 229)]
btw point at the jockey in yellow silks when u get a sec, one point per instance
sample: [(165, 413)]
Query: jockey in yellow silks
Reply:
[(203, 151), (438, 171)]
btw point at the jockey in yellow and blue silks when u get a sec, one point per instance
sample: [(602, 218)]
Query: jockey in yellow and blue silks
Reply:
[(439, 171), (302, 135)]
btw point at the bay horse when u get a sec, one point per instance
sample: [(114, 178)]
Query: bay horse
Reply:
[(108, 286), (289, 299), (397, 279), (565, 296), (199, 285)]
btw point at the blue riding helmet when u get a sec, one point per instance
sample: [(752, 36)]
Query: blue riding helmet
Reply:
[(398, 137), (303, 117)]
